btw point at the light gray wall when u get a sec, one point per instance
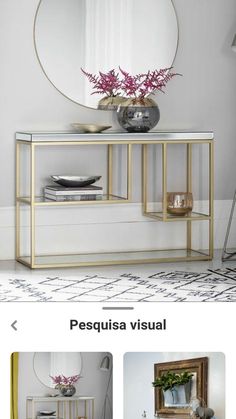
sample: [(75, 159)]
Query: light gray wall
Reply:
[(139, 374), (94, 383), (203, 99)]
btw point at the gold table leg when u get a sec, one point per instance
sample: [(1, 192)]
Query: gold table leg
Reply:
[(144, 177), (64, 404), (189, 189), (85, 409), (17, 203), (129, 171), (211, 199), (32, 206), (109, 170), (27, 409), (33, 410), (92, 408), (164, 181), (69, 409)]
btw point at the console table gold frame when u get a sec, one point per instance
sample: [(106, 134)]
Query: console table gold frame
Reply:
[(63, 406), (37, 140)]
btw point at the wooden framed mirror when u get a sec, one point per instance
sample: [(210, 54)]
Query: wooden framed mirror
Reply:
[(198, 368)]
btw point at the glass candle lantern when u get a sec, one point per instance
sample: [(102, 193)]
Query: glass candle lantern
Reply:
[(179, 203)]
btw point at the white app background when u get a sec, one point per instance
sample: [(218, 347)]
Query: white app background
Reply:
[(197, 329)]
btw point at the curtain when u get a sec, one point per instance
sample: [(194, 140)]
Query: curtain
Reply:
[(108, 33), (14, 385), (108, 36)]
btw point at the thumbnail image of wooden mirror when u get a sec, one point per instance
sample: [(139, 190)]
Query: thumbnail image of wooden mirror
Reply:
[(174, 400)]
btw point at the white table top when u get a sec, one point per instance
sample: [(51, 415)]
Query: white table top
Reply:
[(71, 136), (59, 398)]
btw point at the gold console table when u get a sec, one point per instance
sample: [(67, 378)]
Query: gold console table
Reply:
[(34, 141), (66, 407)]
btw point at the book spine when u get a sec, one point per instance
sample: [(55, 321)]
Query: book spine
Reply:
[(76, 192), (62, 198)]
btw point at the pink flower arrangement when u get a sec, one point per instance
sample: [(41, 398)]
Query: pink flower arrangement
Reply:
[(142, 85), (104, 83), (137, 86), (61, 380)]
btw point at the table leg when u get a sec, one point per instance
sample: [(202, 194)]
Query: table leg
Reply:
[(129, 171), (164, 181), (144, 177), (69, 409), (17, 203), (110, 170), (189, 189), (32, 205), (92, 409), (64, 404), (211, 199), (33, 410)]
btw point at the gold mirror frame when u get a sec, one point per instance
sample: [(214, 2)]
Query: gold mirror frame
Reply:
[(45, 73), (196, 365), (43, 354)]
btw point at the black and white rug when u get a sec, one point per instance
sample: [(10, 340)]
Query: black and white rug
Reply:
[(176, 286)]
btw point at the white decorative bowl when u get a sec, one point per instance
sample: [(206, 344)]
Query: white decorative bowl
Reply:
[(89, 128)]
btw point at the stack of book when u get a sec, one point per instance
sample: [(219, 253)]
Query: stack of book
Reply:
[(47, 417), (62, 193)]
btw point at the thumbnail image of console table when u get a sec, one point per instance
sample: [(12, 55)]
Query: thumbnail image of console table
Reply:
[(65, 407), (33, 141)]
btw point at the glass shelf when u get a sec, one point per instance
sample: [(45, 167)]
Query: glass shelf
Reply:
[(116, 258), (194, 216), (42, 201)]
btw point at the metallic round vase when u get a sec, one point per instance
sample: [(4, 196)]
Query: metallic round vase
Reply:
[(179, 203), (67, 390), (110, 103), (138, 115)]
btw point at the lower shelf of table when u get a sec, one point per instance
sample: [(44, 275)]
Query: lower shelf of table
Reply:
[(117, 258), (193, 216)]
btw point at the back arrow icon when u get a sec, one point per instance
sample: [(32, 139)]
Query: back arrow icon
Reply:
[(13, 325)]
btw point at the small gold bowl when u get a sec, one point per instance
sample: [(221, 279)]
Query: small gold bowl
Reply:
[(179, 203)]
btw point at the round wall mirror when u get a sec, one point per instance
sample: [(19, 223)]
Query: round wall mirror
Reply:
[(48, 364), (136, 35)]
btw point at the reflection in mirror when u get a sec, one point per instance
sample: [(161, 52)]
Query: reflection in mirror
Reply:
[(98, 36), (48, 364), (180, 396)]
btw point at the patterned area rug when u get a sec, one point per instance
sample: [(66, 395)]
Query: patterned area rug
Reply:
[(178, 286)]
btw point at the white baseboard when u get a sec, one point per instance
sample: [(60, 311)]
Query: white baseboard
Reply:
[(108, 228)]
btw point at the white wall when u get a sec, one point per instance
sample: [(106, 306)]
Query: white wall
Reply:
[(109, 228), (139, 374), (94, 383), (204, 98)]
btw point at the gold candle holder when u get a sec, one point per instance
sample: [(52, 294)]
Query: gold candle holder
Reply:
[(179, 203)]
